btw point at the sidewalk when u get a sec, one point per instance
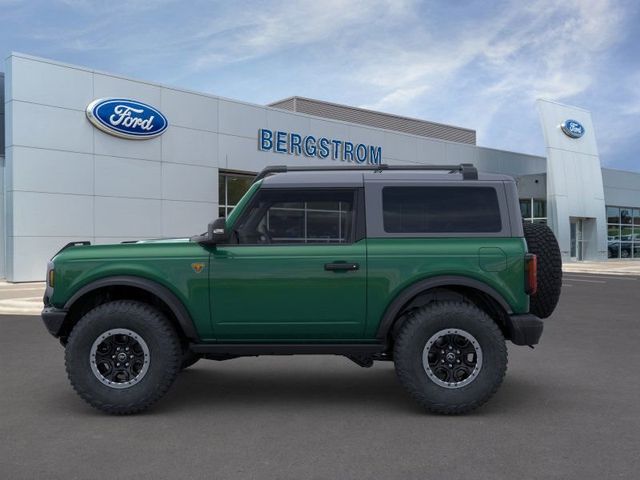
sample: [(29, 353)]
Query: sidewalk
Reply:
[(21, 298), (609, 267)]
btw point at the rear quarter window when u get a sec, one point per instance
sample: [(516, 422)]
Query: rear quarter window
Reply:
[(440, 209)]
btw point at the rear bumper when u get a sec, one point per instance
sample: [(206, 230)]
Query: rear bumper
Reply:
[(53, 319), (525, 329)]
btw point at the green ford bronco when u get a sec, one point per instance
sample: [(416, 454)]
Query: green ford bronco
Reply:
[(430, 267)]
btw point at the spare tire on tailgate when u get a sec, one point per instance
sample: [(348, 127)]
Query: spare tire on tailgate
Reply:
[(542, 242)]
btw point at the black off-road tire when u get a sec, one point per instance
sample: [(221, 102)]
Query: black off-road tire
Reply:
[(542, 242), (188, 359), (410, 345), (165, 356)]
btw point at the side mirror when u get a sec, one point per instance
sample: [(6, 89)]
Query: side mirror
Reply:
[(216, 233)]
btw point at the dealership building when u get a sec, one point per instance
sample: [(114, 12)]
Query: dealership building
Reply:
[(91, 156)]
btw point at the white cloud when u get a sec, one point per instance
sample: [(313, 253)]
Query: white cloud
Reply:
[(487, 74), (545, 49), (474, 64), (255, 32), (399, 97)]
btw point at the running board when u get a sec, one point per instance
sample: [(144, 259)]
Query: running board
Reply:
[(254, 349)]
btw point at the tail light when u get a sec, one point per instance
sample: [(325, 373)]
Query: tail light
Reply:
[(530, 274)]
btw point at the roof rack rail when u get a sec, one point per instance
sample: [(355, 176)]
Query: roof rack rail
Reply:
[(468, 170)]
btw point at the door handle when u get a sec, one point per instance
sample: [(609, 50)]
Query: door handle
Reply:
[(341, 266)]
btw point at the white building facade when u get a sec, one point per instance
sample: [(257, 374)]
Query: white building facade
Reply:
[(64, 179)]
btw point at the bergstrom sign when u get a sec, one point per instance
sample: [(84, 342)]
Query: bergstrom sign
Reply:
[(572, 128), (126, 118), (320, 147)]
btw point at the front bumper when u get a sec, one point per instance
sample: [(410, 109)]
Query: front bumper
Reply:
[(53, 319), (525, 329)]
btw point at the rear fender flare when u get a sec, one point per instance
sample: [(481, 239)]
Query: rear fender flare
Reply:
[(394, 308)]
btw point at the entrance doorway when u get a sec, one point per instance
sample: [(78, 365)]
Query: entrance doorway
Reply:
[(577, 239)]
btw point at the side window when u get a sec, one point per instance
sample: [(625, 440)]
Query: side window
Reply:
[(441, 209), (298, 217)]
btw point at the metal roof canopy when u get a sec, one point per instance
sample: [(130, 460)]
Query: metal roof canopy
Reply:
[(373, 118)]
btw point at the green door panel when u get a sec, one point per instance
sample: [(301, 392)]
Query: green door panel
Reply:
[(283, 292), (396, 263)]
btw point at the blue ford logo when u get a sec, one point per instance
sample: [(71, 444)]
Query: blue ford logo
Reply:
[(126, 118), (572, 128)]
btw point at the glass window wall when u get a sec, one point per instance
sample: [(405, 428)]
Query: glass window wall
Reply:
[(533, 210), (623, 232), (231, 188)]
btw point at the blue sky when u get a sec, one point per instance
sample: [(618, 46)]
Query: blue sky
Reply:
[(477, 64)]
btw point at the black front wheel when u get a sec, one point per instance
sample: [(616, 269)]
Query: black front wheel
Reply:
[(123, 356), (450, 356)]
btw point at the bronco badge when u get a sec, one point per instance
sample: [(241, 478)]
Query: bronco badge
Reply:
[(197, 267)]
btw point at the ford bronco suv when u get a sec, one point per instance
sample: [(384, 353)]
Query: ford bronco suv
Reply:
[(430, 267)]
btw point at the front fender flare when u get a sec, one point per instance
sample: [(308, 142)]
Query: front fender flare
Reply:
[(167, 296)]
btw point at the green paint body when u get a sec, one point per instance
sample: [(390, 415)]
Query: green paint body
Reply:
[(271, 293)]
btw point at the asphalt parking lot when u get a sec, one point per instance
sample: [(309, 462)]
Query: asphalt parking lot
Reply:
[(568, 409)]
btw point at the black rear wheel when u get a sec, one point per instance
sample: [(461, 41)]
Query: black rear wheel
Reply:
[(450, 356)]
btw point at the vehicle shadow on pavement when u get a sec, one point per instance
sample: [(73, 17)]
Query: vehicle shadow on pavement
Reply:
[(375, 389), (219, 386)]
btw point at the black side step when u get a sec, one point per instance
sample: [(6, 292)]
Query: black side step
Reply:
[(254, 349)]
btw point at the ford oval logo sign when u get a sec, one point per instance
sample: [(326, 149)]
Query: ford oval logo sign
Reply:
[(572, 128), (126, 118)]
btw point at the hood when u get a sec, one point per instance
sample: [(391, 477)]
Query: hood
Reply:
[(129, 249)]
